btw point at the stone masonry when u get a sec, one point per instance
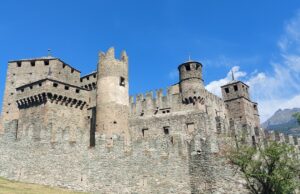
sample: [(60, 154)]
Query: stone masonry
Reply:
[(87, 134)]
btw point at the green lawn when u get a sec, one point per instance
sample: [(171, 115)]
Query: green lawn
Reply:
[(13, 187)]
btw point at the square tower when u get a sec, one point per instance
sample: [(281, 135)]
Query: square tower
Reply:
[(239, 105)]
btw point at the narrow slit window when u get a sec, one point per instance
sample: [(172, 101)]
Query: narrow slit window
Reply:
[(122, 81)]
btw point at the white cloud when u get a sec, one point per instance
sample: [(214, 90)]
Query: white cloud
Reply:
[(279, 88)]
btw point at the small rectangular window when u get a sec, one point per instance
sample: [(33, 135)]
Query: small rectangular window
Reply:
[(122, 81), (19, 64), (46, 62), (55, 85), (32, 63), (188, 67), (77, 90), (227, 90), (166, 130), (66, 87), (72, 70), (235, 88)]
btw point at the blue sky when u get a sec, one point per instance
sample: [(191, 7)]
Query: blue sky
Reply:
[(257, 39)]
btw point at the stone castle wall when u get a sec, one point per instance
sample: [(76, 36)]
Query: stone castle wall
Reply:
[(182, 160)]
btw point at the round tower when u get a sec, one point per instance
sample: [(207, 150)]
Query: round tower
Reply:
[(190, 81), (112, 94)]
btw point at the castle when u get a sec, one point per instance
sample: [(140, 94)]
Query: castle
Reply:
[(86, 133)]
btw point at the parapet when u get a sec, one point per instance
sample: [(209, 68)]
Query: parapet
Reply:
[(45, 60), (148, 104), (110, 66), (30, 70), (47, 89)]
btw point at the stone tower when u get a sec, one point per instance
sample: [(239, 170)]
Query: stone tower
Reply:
[(112, 94), (190, 81), (239, 105)]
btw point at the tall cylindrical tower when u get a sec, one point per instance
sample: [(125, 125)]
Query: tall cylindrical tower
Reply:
[(112, 94), (191, 82)]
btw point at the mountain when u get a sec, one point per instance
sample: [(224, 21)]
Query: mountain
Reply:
[(283, 121)]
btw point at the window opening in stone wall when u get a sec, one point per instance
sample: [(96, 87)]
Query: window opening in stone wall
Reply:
[(64, 65), (66, 87), (40, 84), (144, 131), (55, 85), (166, 130), (77, 90), (197, 66), (88, 78), (46, 62), (30, 87), (32, 63), (227, 90), (235, 88), (188, 67), (72, 70), (22, 90), (255, 107), (94, 75), (19, 64), (122, 81)]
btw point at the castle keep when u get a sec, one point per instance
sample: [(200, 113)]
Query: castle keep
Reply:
[(86, 133)]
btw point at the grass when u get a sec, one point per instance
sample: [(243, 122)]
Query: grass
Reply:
[(13, 187)]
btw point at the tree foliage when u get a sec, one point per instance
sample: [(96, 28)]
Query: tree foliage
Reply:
[(297, 117), (274, 169)]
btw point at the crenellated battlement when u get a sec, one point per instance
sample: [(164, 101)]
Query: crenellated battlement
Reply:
[(150, 104)]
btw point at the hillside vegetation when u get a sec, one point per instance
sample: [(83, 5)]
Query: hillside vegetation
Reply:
[(13, 187)]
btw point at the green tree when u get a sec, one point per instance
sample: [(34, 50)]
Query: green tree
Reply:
[(297, 117), (274, 169)]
